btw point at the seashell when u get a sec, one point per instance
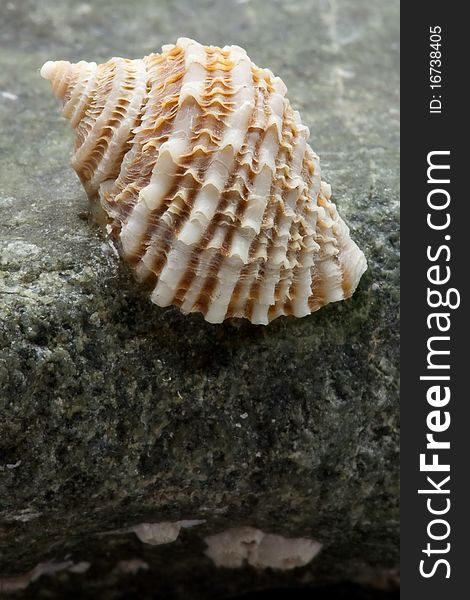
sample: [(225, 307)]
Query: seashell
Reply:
[(206, 181)]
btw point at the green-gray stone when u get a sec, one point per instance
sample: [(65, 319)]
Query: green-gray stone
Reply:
[(115, 412)]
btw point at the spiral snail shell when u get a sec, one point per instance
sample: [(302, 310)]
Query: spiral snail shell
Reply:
[(208, 186)]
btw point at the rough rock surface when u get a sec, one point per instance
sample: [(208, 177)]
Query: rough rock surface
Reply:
[(114, 412)]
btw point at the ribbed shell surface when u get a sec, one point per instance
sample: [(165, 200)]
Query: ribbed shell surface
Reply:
[(207, 182)]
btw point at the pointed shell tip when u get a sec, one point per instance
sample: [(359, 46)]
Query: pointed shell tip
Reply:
[(48, 69)]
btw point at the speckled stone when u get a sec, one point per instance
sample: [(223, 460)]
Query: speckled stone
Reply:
[(115, 412)]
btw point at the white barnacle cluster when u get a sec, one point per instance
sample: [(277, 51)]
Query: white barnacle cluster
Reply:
[(235, 547), (207, 183), (230, 548)]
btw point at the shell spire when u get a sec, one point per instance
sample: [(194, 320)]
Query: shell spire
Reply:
[(205, 176), (64, 76)]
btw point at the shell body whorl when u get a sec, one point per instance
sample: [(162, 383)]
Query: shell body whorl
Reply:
[(207, 181)]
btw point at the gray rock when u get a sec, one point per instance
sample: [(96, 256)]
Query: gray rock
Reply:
[(116, 413)]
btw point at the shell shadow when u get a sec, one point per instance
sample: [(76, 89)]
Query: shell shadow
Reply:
[(198, 346)]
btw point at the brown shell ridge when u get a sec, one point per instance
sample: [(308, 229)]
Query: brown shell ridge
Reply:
[(340, 262), (232, 263), (268, 235), (157, 116), (207, 271), (201, 155)]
